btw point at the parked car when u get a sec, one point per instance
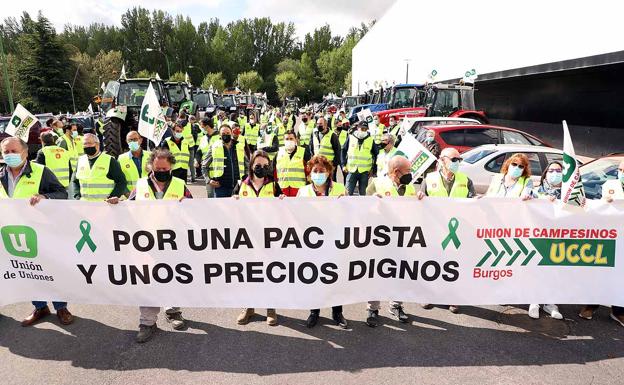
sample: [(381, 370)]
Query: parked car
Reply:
[(420, 125), (483, 162), (466, 137), (598, 171)]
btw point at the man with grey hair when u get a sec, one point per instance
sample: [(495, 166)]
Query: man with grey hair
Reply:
[(98, 176), (22, 179), (386, 152)]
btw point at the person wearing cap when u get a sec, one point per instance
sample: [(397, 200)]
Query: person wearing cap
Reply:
[(447, 182), (360, 153)]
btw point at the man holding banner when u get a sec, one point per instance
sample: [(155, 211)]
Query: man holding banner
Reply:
[(448, 182), (22, 179)]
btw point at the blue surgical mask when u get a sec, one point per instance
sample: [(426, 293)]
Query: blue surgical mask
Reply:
[(514, 171), (74, 134), (12, 160), (318, 178), (134, 146), (621, 176), (429, 139), (453, 167), (177, 135), (554, 178)]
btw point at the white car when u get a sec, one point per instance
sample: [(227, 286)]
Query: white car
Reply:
[(483, 162)]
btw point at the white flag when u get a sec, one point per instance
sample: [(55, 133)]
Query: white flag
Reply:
[(90, 108), (186, 78), (157, 76), (367, 116), (122, 75), (152, 123), (572, 191), (103, 87), (21, 122)]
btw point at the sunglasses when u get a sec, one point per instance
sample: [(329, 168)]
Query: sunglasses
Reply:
[(520, 166)]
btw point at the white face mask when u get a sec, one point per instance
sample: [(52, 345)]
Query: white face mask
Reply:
[(290, 145)]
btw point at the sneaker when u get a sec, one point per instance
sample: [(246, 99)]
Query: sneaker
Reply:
[(245, 315), (618, 318), (372, 318), (176, 320), (340, 320), (399, 314), (534, 311), (553, 310), (145, 333), (586, 313), (271, 317), (454, 309), (312, 320), (426, 306)]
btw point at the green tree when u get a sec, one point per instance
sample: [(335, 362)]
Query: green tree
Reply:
[(43, 69), (177, 77), (288, 84), (145, 74), (249, 80), (214, 80)]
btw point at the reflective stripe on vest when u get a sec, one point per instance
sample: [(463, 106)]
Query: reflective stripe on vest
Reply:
[(128, 167), (324, 147), (281, 130), (72, 149), (291, 171), (181, 155), (94, 184), (266, 191), (187, 134), (336, 189), (385, 187), (26, 187), (57, 160), (360, 157), (251, 133), (435, 186), (175, 190), (218, 160)]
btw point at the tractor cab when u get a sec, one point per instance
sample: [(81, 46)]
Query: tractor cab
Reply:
[(452, 100), (181, 97)]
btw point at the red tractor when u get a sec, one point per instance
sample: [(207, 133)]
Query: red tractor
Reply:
[(441, 100)]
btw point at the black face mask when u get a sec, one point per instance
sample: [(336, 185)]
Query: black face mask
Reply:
[(226, 138), (321, 128), (90, 151), (405, 179), (261, 171), (162, 176)]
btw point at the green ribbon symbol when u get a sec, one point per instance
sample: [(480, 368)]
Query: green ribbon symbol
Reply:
[(452, 226), (85, 229)]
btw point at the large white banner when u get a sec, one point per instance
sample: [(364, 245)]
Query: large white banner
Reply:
[(309, 253)]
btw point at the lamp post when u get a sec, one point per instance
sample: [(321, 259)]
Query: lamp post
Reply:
[(166, 59), (71, 88), (407, 70), (201, 70)]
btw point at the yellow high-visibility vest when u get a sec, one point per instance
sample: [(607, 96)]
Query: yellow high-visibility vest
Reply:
[(217, 166), (25, 187), (181, 154), (266, 191), (94, 184), (128, 167), (324, 147), (435, 186), (360, 157), (385, 187), (58, 160), (175, 190), (291, 171), (336, 189)]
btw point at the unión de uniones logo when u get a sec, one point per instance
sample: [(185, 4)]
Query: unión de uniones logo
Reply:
[(19, 241)]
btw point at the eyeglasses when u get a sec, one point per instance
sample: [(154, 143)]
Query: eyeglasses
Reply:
[(520, 166)]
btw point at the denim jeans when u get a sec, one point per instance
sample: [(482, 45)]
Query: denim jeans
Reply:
[(359, 178), (223, 192), (42, 304), (191, 164)]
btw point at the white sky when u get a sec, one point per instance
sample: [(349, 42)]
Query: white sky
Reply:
[(306, 14), (454, 36)]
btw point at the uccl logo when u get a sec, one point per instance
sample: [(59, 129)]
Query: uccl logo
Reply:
[(20, 241)]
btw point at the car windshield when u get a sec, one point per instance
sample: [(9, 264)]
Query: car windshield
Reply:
[(176, 93), (595, 173), (228, 101), (404, 97), (202, 100), (351, 101), (476, 154), (132, 93)]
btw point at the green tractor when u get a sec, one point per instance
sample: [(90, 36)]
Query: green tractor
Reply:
[(181, 97)]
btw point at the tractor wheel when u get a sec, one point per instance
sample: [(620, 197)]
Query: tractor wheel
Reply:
[(112, 139)]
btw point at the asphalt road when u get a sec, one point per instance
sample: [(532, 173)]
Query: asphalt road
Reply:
[(482, 345)]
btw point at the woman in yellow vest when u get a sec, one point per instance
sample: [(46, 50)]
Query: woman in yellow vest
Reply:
[(550, 188), (159, 184), (320, 170), (514, 180), (259, 183)]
